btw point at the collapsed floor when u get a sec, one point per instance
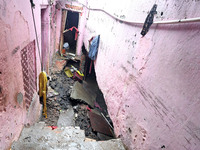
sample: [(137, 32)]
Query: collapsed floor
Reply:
[(70, 103)]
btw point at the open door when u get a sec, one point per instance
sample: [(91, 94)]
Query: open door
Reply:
[(69, 29)]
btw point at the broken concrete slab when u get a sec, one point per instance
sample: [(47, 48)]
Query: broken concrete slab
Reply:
[(99, 124), (51, 92), (115, 144), (83, 121), (66, 118), (40, 137), (80, 93)]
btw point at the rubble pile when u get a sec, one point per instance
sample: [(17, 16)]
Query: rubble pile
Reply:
[(82, 120)]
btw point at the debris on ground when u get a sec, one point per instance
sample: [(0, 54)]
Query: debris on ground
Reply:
[(66, 118), (75, 103), (51, 92), (53, 112), (60, 101), (61, 84), (82, 120), (79, 93)]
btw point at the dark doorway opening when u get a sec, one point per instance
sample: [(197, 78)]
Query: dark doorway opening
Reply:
[(70, 31)]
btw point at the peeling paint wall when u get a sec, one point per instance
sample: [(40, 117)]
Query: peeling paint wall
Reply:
[(16, 34), (150, 84)]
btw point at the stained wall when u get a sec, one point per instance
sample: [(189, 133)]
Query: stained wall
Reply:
[(19, 67), (150, 84)]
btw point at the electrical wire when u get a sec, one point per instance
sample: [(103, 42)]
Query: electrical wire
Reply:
[(32, 5), (178, 21)]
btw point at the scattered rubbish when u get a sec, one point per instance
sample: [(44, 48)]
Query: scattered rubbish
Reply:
[(61, 84), (77, 77), (52, 112), (149, 20), (74, 73), (83, 121), (69, 56), (75, 115), (99, 124), (66, 46), (79, 72), (53, 127), (51, 92), (58, 103), (68, 73), (79, 93), (70, 103), (88, 108)]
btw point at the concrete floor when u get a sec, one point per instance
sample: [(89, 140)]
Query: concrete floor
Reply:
[(41, 137)]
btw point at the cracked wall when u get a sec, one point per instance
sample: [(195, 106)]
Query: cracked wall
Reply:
[(150, 84)]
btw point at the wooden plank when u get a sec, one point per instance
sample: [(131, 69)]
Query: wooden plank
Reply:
[(64, 16), (77, 8)]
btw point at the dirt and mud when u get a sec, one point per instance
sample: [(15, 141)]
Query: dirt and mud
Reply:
[(62, 85)]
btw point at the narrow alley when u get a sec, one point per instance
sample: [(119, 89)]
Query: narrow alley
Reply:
[(99, 75)]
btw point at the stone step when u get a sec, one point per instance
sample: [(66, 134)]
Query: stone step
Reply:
[(41, 137)]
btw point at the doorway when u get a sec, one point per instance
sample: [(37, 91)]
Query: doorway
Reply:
[(70, 32)]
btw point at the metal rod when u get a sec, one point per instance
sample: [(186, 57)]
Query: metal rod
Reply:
[(36, 38), (107, 121)]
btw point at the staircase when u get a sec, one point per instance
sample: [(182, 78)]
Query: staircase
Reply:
[(42, 137)]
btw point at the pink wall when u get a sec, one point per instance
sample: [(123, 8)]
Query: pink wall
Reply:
[(16, 32), (45, 42), (58, 28), (151, 84)]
